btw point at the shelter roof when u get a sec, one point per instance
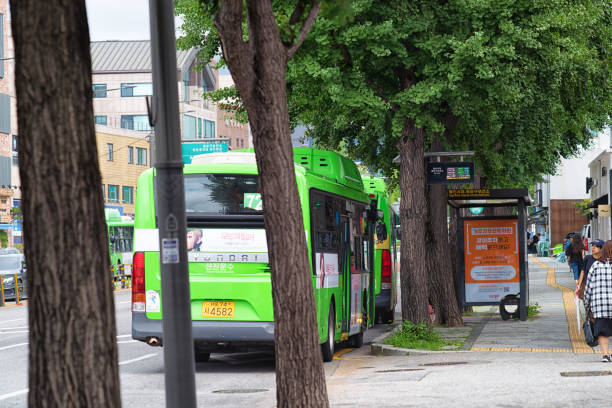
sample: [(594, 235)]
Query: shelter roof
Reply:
[(485, 197)]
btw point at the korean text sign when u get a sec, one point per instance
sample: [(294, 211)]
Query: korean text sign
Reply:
[(491, 259)]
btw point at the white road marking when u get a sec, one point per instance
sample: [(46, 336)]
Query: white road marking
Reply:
[(138, 359), (13, 394), (13, 332), (124, 335), (14, 328), (127, 301), (12, 320), (13, 346), (128, 341)]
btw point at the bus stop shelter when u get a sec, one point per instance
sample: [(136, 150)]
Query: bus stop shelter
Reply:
[(491, 250)]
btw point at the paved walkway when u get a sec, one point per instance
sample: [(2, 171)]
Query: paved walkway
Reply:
[(555, 329)]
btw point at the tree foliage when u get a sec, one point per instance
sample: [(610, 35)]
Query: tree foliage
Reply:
[(522, 80)]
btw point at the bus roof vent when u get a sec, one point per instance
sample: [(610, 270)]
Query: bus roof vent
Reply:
[(225, 158), (374, 184), (330, 165), (302, 159)]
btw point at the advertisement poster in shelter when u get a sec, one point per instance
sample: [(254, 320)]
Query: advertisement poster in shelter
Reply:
[(491, 253)]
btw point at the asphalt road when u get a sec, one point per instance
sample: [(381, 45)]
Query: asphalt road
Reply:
[(227, 380)]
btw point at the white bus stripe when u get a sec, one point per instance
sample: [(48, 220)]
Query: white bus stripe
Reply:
[(146, 240)]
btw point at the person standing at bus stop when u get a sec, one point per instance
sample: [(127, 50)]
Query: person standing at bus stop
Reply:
[(598, 299), (588, 261), (575, 255)]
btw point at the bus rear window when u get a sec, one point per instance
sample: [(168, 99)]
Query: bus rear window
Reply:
[(222, 194)]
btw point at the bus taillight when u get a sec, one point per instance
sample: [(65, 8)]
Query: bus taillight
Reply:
[(138, 282), (386, 269)]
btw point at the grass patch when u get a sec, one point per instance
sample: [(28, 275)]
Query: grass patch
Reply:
[(419, 336), (532, 311)]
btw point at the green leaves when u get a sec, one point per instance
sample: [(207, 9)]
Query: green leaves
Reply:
[(522, 79)]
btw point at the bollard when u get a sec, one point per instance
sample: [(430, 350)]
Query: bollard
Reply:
[(1, 291), (17, 300)]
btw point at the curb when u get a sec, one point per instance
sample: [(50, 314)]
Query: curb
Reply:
[(378, 348), (387, 350)]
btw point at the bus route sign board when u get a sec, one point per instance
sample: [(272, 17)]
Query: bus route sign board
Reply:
[(450, 172), (491, 255), (193, 149)]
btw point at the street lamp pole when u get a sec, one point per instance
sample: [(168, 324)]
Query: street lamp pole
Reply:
[(179, 364)]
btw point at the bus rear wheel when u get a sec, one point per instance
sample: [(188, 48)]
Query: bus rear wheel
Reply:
[(328, 347)]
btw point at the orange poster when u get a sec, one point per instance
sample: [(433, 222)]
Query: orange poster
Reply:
[(491, 252)]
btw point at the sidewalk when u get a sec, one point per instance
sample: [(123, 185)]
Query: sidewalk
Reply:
[(554, 329), (542, 362)]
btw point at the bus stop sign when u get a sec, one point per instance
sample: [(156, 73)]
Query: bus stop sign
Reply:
[(450, 172)]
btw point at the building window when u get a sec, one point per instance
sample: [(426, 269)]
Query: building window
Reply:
[(135, 122), (189, 127), (128, 195), (99, 90), (137, 89), (209, 128), (2, 45), (130, 155), (141, 156), (100, 120), (103, 193), (113, 193), (14, 143), (15, 159), (109, 151)]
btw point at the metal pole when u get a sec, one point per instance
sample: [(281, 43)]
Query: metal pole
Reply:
[(524, 284), (179, 365)]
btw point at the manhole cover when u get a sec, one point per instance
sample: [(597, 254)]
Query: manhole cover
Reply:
[(240, 391), (585, 373), (400, 370), (445, 363)]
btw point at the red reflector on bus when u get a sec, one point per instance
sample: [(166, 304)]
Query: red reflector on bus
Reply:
[(386, 268), (138, 282)]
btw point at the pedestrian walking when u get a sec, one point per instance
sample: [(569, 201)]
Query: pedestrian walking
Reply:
[(587, 263), (598, 299), (575, 255)]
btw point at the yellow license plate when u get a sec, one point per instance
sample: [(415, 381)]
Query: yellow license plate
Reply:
[(218, 308)]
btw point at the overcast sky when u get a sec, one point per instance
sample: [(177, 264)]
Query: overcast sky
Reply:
[(118, 19)]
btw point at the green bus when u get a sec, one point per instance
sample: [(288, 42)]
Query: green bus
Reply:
[(120, 231), (230, 285), (385, 263)]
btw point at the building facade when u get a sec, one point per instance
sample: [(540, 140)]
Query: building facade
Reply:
[(228, 127), (123, 155), (555, 213), (10, 192), (122, 82)]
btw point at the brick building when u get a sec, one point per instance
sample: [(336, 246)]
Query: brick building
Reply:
[(9, 178), (227, 126), (123, 155)]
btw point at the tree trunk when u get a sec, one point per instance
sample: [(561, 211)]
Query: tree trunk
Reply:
[(73, 349), (442, 295), (258, 68), (413, 210)]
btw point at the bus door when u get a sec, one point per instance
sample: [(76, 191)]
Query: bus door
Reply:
[(345, 251)]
